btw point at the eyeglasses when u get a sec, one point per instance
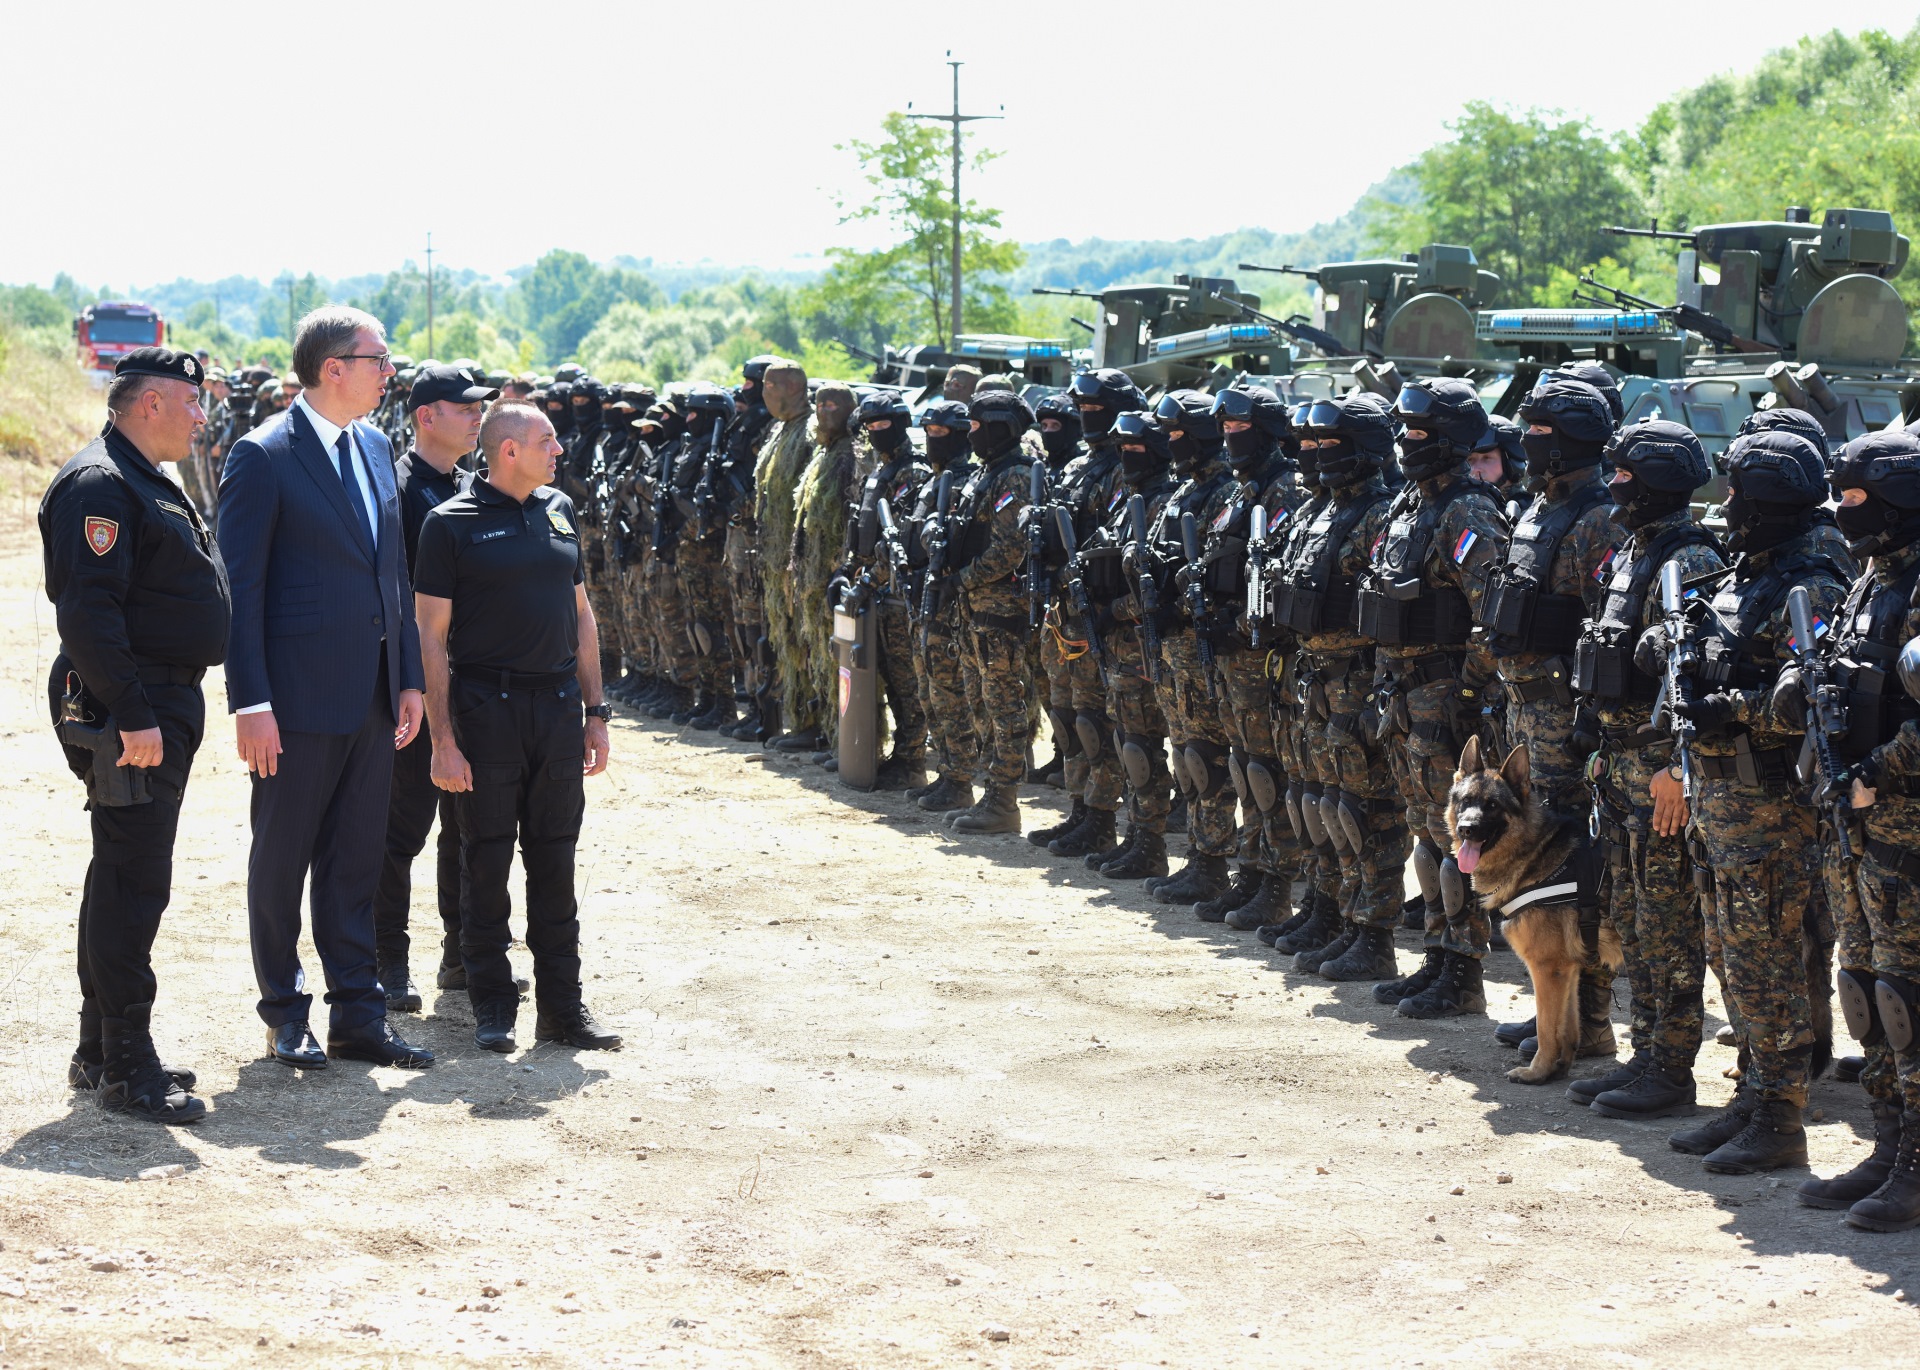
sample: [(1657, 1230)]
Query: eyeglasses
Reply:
[(382, 357)]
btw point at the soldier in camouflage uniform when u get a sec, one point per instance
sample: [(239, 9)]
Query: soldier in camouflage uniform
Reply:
[(1186, 688), (578, 479), (894, 481), (1261, 453), (672, 625), (1140, 729), (700, 555), (609, 462), (1541, 595), (939, 639), (1418, 603), (1872, 888), (819, 541), (1352, 793), (633, 515), (746, 612), (776, 478), (1758, 833), (985, 551), (1090, 487)]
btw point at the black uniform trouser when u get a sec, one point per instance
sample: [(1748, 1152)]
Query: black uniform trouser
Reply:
[(526, 749), (411, 807), (130, 878)]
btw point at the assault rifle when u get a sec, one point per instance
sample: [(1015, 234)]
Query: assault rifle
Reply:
[(934, 537), (1826, 710), (1306, 333), (703, 490), (1683, 657), (1039, 578), (1685, 316), (894, 546), (1136, 558), (1077, 594), (1194, 577), (663, 500), (1257, 606)]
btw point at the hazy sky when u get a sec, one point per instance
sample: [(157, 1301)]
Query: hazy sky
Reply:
[(147, 143)]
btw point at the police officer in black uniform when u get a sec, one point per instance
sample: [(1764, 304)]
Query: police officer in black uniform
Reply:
[(446, 404), (511, 653), (141, 601)]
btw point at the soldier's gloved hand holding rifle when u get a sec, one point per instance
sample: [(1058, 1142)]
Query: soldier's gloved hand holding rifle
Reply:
[(1675, 707), (1824, 711)]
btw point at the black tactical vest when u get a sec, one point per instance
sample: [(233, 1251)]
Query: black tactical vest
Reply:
[(1603, 656), (1398, 607), (863, 530), (1311, 595), (972, 520), (1866, 646), (1731, 656), (1078, 487), (1518, 610)]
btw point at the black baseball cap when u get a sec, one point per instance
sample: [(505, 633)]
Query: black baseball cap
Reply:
[(457, 384), (161, 361)]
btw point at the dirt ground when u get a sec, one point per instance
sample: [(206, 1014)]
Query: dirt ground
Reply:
[(888, 1098)]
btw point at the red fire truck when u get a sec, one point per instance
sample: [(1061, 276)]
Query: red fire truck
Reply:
[(109, 330)]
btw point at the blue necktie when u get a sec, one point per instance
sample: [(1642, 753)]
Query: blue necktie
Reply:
[(344, 446)]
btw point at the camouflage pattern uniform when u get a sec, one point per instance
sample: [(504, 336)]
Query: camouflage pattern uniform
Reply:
[(1186, 694), (1431, 690), (661, 571), (776, 478), (993, 607), (1137, 717), (1090, 486), (700, 560), (895, 480), (1333, 682), (1760, 836), (819, 543), (939, 648)]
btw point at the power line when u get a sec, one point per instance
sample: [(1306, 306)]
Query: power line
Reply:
[(955, 119)]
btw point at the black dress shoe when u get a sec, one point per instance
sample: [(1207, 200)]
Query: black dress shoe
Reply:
[(379, 1043), (403, 996), (293, 1044)]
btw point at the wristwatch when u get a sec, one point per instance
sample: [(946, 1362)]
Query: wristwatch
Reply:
[(600, 711)]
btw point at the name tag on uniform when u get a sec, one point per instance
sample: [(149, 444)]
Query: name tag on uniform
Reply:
[(172, 508), (505, 530), (559, 522)]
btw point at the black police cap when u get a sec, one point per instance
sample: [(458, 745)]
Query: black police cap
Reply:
[(164, 362), (455, 384)]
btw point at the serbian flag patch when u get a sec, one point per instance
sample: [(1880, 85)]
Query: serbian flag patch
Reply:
[(102, 533), (1118, 491), (1003, 502), (1606, 564), (1464, 546), (1819, 631), (1220, 519)]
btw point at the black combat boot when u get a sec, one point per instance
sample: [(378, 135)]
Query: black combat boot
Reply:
[(806, 740), (663, 701), (900, 773), (131, 1077), (1393, 991), (1075, 817), (453, 971), (90, 1055), (1413, 914), (1773, 1137), (1095, 860), (1322, 925), (576, 1026), (1095, 834), (1895, 1205), (1660, 1090), (1458, 991), (1369, 956), (1147, 858), (1271, 933), (402, 995), (1203, 877), (744, 727), (1271, 905), (1844, 1191), (1586, 1090), (696, 706), (718, 714), (1177, 816), (1310, 960), (1596, 1020), (1847, 1070), (998, 810), (1721, 1128), (1513, 1034), (946, 795), (1244, 885), (1053, 773)]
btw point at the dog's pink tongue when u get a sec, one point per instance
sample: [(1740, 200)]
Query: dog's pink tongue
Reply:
[(1467, 857)]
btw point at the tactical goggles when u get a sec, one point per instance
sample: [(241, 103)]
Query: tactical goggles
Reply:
[(1414, 402), (1134, 425), (1233, 404), (1087, 386), (1319, 414)]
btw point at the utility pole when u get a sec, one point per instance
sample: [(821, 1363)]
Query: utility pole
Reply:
[(429, 294), (955, 119)]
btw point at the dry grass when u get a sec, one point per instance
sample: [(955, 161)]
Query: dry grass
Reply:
[(49, 408)]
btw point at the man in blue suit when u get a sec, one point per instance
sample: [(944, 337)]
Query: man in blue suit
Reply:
[(323, 674)]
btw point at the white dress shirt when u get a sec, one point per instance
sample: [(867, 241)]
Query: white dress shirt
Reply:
[(329, 433)]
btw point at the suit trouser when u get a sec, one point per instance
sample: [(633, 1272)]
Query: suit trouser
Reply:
[(526, 749), (324, 814), (130, 877), (411, 808)]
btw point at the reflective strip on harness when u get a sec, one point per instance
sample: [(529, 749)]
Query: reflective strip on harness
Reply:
[(1545, 894)]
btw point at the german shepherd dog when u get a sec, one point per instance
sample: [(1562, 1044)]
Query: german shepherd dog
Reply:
[(1509, 844)]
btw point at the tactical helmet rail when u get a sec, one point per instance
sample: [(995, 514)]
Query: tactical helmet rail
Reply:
[(1877, 480), (1269, 427), (1353, 437), (1578, 423), (1102, 396), (1658, 464), (1447, 414)]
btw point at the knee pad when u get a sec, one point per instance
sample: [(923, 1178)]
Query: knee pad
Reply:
[(704, 637), (1859, 1005), (1206, 767), (1899, 1004), (1136, 758), (1263, 780), (1310, 816), (1237, 772), (1292, 798), (1453, 888), (1330, 820), (1353, 820), (1093, 730), (1426, 869), (1066, 736)]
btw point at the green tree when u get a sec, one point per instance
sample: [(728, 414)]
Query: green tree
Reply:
[(1527, 192), (565, 295), (905, 291)]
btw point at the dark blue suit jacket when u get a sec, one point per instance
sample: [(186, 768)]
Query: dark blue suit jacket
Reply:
[(311, 603)]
